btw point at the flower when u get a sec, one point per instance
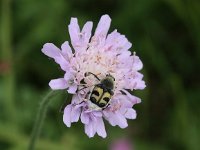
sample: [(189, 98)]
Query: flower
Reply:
[(121, 144), (101, 55)]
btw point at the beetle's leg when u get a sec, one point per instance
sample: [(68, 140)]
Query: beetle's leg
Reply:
[(84, 88)]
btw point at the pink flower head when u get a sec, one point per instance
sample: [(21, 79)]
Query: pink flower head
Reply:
[(86, 65), (121, 144)]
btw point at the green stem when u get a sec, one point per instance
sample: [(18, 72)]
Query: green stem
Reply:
[(40, 119), (7, 58)]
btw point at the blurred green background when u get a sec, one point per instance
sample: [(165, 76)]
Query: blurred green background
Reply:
[(166, 36)]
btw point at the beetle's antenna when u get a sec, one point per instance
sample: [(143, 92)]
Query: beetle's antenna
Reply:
[(90, 73)]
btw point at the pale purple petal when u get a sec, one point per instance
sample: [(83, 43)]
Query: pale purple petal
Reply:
[(101, 131), (52, 51), (76, 100), (117, 118), (64, 64), (74, 32), (125, 56), (58, 84), (138, 75), (66, 49), (137, 63), (125, 100), (79, 39), (72, 89), (68, 76), (97, 113), (86, 31), (75, 113), (139, 85), (130, 113), (67, 115), (71, 114), (84, 118), (127, 45), (132, 98), (90, 129), (121, 120), (117, 42), (103, 27), (112, 40)]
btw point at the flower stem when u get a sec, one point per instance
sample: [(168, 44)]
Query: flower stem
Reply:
[(40, 118), (7, 60)]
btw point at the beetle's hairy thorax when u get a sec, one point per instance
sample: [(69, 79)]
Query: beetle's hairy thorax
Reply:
[(108, 83)]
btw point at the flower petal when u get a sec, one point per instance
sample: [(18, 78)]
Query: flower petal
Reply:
[(79, 39), (101, 131), (76, 100), (137, 63), (138, 83), (75, 113), (117, 42), (97, 113), (68, 76), (52, 51), (130, 113), (74, 30), (121, 120), (72, 89), (132, 98), (89, 129), (103, 27), (125, 101), (86, 31), (84, 118), (67, 115), (117, 118), (58, 84), (66, 50)]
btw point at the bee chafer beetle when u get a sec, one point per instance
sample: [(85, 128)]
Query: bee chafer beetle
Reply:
[(102, 92)]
